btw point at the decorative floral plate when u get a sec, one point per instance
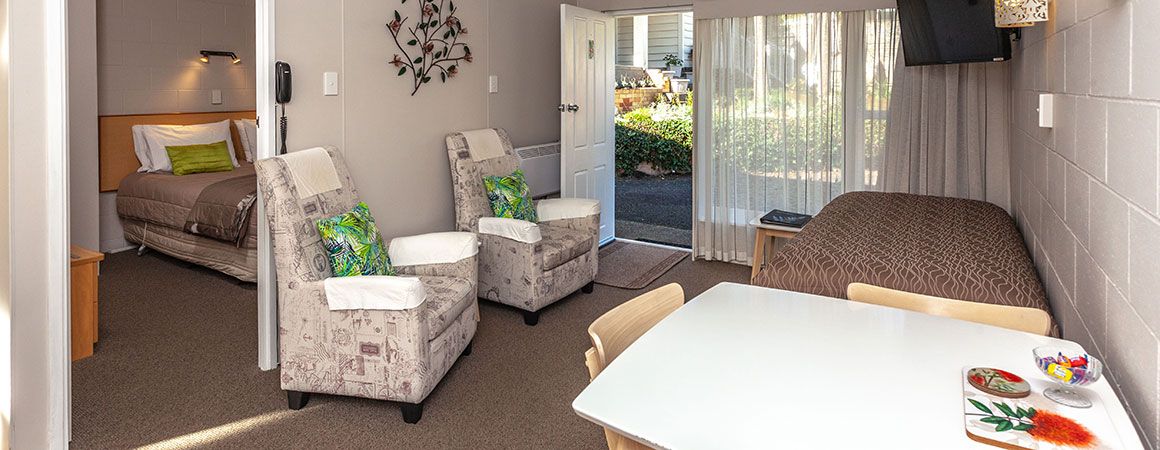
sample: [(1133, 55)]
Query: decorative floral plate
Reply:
[(998, 382)]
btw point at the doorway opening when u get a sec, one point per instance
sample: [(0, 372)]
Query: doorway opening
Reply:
[(654, 127), (164, 287)]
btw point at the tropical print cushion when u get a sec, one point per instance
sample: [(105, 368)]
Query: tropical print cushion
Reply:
[(354, 244), (510, 196)]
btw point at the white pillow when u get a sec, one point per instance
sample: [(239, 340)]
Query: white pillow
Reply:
[(141, 148), (248, 132), (160, 136)]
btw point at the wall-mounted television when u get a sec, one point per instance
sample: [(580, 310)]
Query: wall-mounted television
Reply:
[(951, 32)]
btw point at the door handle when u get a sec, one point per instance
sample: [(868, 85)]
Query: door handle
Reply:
[(568, 107), (573, 107)]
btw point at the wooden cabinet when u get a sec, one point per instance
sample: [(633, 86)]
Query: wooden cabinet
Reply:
[(85, 268)]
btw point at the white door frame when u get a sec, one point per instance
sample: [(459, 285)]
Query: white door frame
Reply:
[(267, 138), (38, 151)]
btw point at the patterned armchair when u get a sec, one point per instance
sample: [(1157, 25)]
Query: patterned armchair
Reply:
[(387, 354), (523, 264)]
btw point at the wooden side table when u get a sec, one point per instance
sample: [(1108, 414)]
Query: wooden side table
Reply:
[(85, 267), (767, 232)]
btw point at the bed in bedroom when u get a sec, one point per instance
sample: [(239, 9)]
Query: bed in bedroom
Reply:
[(207, 219), (943, 247)]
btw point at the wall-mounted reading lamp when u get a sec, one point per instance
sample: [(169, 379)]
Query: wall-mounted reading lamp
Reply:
[(205, 54), (1018, 14)]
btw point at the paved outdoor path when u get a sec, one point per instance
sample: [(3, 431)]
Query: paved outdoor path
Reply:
[(656, 209)]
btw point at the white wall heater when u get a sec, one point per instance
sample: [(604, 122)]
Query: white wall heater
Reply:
[(541, 166)]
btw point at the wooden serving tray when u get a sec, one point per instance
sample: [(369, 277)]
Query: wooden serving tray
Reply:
[(1035, 422)]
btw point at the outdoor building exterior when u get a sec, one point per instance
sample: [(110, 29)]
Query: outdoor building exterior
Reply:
[(643, 41)]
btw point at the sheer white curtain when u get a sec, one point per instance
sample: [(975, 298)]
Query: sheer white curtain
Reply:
[(946, 137), (786, 107)]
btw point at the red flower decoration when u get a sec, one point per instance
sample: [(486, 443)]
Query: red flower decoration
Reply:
[(395, 25), (1060, 430), (1010, 377), (397, 62)]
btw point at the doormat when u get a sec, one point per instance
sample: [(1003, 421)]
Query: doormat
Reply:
[(633, 266)]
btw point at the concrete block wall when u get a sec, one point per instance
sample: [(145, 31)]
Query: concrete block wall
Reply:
[(1085, 192), (147, 63)]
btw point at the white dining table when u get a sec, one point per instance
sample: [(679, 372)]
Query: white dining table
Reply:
[(751, 367)]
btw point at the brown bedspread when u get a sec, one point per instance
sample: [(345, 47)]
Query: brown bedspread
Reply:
[(167, 200), (945, 247), (222, 210)]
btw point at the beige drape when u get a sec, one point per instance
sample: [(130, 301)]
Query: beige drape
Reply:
[(946, 133), (789, 114)]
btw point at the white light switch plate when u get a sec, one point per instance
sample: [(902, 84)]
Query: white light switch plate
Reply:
[(330, 83), (492, 84), (215, 97), (1046, 110)]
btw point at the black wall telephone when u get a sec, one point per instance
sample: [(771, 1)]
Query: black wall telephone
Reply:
[(282, 82), (283, 87)]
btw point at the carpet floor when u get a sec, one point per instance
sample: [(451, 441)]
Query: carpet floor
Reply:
[(176, 367)]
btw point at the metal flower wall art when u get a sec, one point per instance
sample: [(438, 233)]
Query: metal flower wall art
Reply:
[(430, 46)]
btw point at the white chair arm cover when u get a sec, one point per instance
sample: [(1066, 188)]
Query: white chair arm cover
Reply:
[(374, 292), (433, 248), (514, 229), (566, 208)]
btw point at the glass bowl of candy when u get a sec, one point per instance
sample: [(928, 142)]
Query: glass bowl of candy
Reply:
[(1069, 368)]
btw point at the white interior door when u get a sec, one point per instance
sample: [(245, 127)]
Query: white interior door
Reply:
[(587, 136)]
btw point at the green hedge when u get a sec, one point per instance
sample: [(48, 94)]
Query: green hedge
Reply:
[(661, 134)]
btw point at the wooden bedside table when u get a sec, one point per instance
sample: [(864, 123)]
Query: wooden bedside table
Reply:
[(85, 267), (767, 232)]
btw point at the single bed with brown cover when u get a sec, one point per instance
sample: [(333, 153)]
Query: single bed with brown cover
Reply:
[(944, 247)]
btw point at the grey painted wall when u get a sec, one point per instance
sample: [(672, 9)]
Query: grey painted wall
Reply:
[(394, 142), (1085, 192), (82, 108), (5, 247)]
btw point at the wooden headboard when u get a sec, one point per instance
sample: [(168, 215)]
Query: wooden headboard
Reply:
[(116, 139)]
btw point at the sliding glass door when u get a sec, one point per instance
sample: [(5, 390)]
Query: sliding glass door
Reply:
[(790, 113)]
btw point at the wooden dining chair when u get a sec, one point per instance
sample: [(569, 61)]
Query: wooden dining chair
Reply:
[(618, 328), (1030, 320)]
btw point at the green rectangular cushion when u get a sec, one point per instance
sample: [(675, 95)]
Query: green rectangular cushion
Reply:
[(354, 245), (200, 158), (510, 196)]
